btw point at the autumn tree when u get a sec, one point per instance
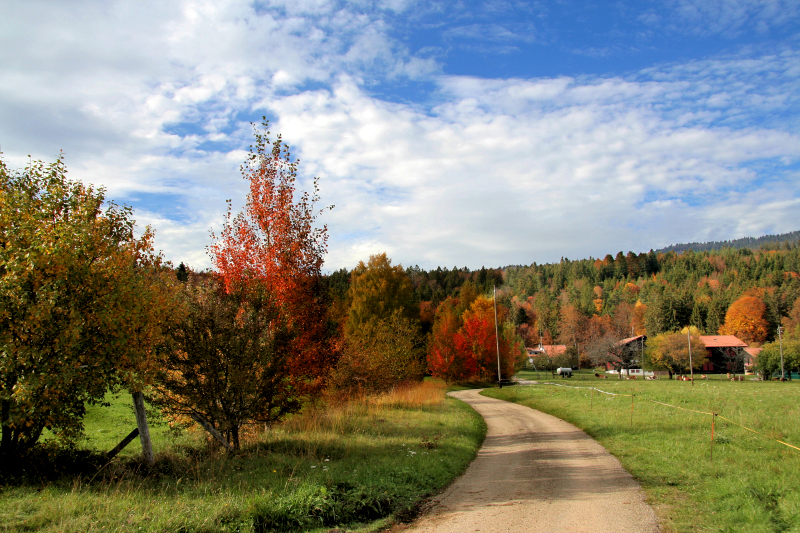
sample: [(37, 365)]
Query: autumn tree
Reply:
[(382, 325), (444, 360), (746, 319), (572, 326), (670, 351), (377, 290), (622, 320), (476, 339), (637, 321), (379, 354), (229, 364), (85, 304), (268, 260)]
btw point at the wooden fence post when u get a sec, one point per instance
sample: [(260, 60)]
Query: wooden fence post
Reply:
[(144, 429), (119, 447), (713, 417)]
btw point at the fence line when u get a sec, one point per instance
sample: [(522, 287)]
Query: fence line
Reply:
[(713, 415)]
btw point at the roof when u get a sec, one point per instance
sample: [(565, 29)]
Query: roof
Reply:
[(549, 349), (722, 341), (631, 339), (753, 352)]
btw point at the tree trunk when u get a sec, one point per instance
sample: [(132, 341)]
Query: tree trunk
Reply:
[(208, 427), (144, 429)]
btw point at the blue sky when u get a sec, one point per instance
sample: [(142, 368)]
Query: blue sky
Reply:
[(445, 133)]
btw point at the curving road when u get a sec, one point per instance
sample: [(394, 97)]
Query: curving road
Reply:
[(536, 473)]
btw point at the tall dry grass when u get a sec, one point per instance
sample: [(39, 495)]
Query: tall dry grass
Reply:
[(336, 414)]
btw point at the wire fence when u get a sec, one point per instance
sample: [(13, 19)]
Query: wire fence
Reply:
[(712, 414)]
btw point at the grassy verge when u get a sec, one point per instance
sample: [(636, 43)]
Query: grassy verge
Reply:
[(752, 483), (357, 465)]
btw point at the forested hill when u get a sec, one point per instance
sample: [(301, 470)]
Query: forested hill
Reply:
[(574, 301), (769, 241)]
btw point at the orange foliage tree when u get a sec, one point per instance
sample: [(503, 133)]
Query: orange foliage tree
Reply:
[(444, 360), (746, 319), (269, 258), (572, 326)]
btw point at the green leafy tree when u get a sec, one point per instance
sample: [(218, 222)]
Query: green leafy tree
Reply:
[(84, 304), (380, 354), (768, 362), (377, 290)]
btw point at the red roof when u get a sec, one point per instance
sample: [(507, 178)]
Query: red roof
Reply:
[(754, 351), (722, 341), (549, 349)]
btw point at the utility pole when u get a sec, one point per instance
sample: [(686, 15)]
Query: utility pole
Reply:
[(780, 341), (691, 366), (497, 336)]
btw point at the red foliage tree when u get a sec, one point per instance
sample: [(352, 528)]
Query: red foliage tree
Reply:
[(270, 256), (477, 340), (445, 361)]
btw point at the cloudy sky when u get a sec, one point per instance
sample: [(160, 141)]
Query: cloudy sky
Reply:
[(445, 133)]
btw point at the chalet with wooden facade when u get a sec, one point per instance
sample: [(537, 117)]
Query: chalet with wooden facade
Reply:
[(725, 353)]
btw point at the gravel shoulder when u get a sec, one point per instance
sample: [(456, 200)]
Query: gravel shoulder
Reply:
[(536, 473)]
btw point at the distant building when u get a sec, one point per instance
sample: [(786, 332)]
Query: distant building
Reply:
[(626, 355), (545, 350), (550, 350), (751, 358), (726, 353)]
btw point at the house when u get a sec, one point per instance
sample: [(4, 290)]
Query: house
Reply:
[(726, 354), (550, 351), (626, 355), (750, 359)]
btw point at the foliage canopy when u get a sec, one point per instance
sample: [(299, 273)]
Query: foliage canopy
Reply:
[(83, 303)]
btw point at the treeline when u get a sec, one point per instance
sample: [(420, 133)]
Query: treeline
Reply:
[(590, 305), (767, 242), (86, 307)]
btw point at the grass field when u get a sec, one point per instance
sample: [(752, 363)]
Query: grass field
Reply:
[(364, 462), (752, 483)]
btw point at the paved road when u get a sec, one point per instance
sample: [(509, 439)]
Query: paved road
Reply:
[(536, 473)]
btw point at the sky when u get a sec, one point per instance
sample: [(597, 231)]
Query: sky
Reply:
[(451, 133)]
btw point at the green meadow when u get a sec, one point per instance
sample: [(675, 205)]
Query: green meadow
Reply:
[(748, 481), (361, 464)]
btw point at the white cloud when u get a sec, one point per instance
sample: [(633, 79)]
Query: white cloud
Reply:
[(152, 101), (494, 177)]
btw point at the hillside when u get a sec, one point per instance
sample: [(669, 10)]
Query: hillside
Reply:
[(769, 241)]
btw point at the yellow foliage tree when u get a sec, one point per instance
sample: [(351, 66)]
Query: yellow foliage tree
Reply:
[(670, 351)]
